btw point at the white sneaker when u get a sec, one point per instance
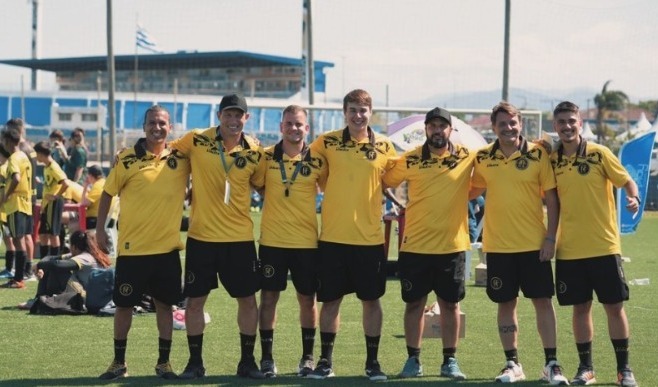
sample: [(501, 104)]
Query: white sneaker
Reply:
[(552, 373), (512, 372)]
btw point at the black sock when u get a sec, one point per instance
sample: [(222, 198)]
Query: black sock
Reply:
[(413, 352), (448, 353), (372, 348), (19, 272), (43, 251), (327, 345), (164, 348), (120, 351), (550, 354), (621, 353), (512, 355), (195, 345), (28, 268), (266, 342), (247, 344), (585, 354), (10, 255), (54, 250), (308, 342)]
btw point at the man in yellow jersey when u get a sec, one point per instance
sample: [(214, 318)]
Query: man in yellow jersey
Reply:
[(54, 185), (588, 244), (93, 188), (351, 246), (289, 234), (26, 147), (150, 179), (432, 255), (17, 202), (220, 239), (8, 271), (519, 247)]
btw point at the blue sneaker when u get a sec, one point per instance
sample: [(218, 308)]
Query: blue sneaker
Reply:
[(412, 368), (451, 370), (6, 274)]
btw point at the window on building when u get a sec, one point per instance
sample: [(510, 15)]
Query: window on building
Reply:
[(89, 117), (65, 116)]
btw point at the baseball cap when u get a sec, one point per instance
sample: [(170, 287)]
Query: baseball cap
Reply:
[(233, 101), (438, 112)]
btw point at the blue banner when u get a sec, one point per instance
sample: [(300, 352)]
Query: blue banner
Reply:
[(635, 156)]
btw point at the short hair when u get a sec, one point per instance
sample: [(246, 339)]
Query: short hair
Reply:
[(43, 148), (566, 106), (12, 135), (78, 130), (357, 96), (18, 124), (293, 109), (155, 109), (505, 107), (95, 170), (56, 134)]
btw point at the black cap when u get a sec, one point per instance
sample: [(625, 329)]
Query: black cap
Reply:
[(438, 112), (233, 101)]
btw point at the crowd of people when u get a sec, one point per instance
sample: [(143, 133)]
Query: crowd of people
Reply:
[(351, 166)]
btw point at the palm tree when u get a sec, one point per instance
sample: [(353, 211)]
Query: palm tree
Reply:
[(607, 101)]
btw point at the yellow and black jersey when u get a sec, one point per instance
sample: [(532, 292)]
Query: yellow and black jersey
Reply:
[(93, 197), (515, 217), (3, 186), (437, 210), (222, 181), (291, 187), (152, 191), (21, 199), (588, 218), (27, 148), (352, 205), (53, 176)]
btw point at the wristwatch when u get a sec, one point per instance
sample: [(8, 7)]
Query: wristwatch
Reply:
[(638, 200)]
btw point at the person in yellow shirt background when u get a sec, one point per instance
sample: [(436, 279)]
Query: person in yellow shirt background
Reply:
[(8, 271)]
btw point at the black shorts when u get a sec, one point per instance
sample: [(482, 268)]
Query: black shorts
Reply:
[(302, 263), (345, 269), (422, 273), (18, 224), (236, 264), (157, 275), (90, 222), (577, 279), (509, 272), (51, 218)]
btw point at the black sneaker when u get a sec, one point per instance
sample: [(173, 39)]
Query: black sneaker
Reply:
[(268, 368), (249, 369), (584, 377), (115, 371), (322, 371), (305, 367), (374, 372), (165, 371), (193, 371)]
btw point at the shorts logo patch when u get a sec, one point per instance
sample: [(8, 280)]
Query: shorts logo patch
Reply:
[(406, 285), (125, 289), (521, 164), (496, 283), (190, 277), (268, 271), (561, 287), (583, 169)]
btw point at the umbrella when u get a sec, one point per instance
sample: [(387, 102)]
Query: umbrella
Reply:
[(409, 133)]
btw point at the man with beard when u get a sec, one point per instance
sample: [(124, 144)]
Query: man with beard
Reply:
[(432, 255), (289, 234)]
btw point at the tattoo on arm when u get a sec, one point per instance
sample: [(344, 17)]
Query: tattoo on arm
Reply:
[(507, 328)]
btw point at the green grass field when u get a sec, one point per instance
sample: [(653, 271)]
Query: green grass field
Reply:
[(72, 351)]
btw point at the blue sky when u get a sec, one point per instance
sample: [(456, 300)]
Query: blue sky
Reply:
[(414, 48)]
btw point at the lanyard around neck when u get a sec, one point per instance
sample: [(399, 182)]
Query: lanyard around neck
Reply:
[(282, 167), (221, 155)]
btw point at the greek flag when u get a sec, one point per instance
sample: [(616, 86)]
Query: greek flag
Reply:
[(143, 40)]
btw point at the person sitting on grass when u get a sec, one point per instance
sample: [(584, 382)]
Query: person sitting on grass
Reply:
[(61, 278)]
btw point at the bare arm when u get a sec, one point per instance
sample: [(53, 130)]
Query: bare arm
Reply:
[(103, 210), (632, 196), (553, 213)]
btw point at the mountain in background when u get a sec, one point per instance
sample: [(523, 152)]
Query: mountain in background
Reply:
[(544, 100)]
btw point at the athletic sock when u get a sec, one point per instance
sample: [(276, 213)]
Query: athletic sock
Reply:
[(413, 352), (550, 354), (164, 349), (247, 345), (512, 355), (19, 272), (195, 346), (10, 255), (448, 353), (266, 342), (43, 251), (54, 250), (621, 353), (585, 354), (372, 348), (327, 340), (308, 342), (120, 351)]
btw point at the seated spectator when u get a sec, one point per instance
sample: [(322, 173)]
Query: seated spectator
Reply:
[(63, 279), (93, 188)]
